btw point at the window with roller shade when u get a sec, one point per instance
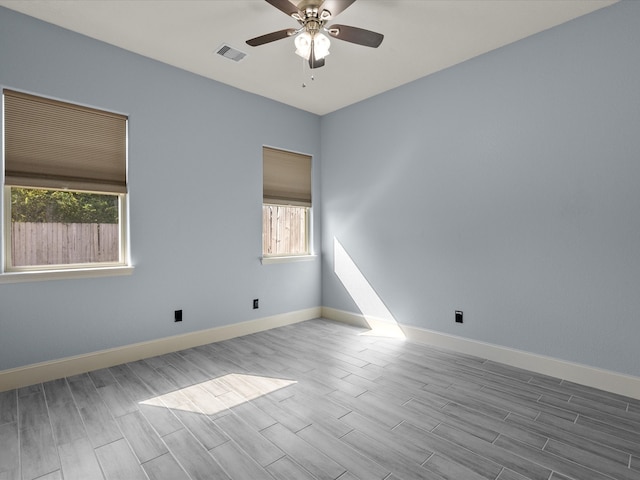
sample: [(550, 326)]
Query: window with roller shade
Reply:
[(286, 203), (65, 185)]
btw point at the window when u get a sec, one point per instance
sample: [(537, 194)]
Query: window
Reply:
[(284, 230), (65, 186), (286, 203)]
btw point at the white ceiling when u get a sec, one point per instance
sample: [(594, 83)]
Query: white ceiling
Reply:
[(421, 37)]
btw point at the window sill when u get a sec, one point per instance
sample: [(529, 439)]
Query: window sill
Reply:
[(287, 259), (42, 275)]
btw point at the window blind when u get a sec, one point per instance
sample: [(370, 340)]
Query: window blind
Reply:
[(58, 145), (286, 177)]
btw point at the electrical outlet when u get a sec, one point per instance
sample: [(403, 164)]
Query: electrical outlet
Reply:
[(458, 316), (255, 303), (177, 316)]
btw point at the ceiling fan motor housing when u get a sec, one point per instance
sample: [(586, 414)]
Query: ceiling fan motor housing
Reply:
[(311, 17)]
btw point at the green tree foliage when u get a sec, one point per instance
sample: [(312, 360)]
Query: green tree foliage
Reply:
[(58, 206)]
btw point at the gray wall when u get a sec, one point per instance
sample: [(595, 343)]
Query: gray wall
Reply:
[(507, 187), (195, 182)]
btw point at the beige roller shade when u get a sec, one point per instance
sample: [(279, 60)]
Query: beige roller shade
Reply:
[(286, 177), (52, 144)]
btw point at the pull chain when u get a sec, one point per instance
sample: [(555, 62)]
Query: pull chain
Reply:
[(304, 73), (304, 85)]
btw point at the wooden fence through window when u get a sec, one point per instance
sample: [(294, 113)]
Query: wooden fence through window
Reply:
[(39, 243), (284, 230), (63, 243)]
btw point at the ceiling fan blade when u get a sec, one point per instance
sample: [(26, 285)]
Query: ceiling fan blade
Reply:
[(356, 35), (336, 6), (315, 62), (271, 37), (284, 6)]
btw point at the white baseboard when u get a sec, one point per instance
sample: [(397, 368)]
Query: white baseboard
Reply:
[(64, 367), (594, 377), (610, 381)]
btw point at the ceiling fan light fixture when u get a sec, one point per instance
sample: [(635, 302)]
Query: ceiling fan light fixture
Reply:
[(303, 45), (319, 42), (321, 45)]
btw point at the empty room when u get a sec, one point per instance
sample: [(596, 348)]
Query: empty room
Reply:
[(331, 240)]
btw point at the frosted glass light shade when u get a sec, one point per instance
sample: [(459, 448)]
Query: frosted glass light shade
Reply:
[(320, 44)]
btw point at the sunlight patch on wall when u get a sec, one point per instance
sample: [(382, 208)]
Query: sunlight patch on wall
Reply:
[(376, 314), (217, 395)]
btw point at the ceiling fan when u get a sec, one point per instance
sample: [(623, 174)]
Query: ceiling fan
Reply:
[(310, 39)]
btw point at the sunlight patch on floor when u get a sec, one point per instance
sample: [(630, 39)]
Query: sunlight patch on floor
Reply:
[(217, 395)]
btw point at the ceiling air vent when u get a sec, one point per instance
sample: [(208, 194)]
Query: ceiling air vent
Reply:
[(230, 53)]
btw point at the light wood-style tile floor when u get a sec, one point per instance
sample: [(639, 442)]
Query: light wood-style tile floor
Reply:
[(316, 400)]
